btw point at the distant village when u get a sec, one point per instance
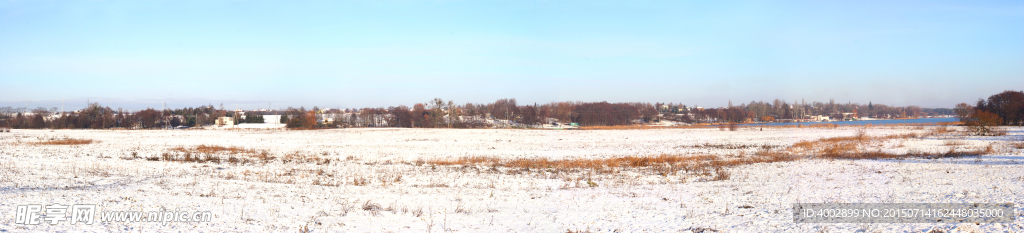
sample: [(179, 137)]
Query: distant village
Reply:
[(504, 113), (761, 112)]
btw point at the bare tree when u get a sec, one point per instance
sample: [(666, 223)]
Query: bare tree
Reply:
[(437, 112), (963, 111)]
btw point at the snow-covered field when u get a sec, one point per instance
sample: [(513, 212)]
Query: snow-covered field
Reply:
[(375, 180)]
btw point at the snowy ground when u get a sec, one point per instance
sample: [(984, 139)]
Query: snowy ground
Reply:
[(375, 180), (249, 126)]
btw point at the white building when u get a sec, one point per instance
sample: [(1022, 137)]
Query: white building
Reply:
[(225, 121), (271, 119)]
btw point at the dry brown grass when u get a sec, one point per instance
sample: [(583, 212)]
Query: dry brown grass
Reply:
[(360, 181), (64, 142), (730, 146), (904, 136), (838, 149), (998, 131), (574, 164), (706, 165), (952, 153), (940, 129), (299, 157), (233, 155), (804, 145), (213, 149), (1017, 145), (853, 148), (953, 143), (861, 133)]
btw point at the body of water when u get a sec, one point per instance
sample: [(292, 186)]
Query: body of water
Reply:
[(873, 122)]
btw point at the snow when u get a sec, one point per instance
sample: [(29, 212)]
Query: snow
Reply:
[(259, 126), (247, 126), (279, 196)]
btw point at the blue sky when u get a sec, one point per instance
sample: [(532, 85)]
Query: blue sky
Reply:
[(138, 54)]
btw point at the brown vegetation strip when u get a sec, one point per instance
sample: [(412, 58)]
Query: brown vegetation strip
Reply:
[(213, 149), (233, 155), (730, 146), (65, 141), (1017, 145), (662, 164), (851, 148), (952, 153), (575, 163)]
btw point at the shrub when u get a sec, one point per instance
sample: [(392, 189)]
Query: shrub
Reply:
[(860, 133), (720, 174), (983, 123)]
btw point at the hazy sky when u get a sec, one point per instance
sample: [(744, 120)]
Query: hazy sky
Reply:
[(137, 54)]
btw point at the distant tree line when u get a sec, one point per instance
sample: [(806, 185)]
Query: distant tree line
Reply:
[(96, 116), (604, 113), (438, 113), (779, 110)]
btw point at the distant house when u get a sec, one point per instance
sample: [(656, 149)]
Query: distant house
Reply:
[(51, 117), (225, 121)]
